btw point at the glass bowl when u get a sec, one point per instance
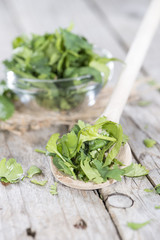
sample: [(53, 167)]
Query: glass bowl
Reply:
[(59, 94)]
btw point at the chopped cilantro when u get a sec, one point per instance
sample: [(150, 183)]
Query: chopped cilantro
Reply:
[(88, 152), (157, 188), (58, 55), (148, 190), (41, 183), (33, 170), (10, 171), (136, 226), (157, 207), (53, 189), (148, 142)]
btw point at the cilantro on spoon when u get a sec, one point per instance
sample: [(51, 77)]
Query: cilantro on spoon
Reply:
[(89, 152)]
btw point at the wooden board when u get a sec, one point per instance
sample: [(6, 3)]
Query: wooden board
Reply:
[(25, 206)]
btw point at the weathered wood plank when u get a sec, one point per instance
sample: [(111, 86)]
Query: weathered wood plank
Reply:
[(142, 207), (32, 206), (124, 20), (72, 205)]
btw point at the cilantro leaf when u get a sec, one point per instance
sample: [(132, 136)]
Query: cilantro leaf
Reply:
[(135, 170), (89, 152), (90, 172), (52, 145), (40, 151), (157, 207), (136, 226), (6, 108), (41, 183), (10, 171), (148, 142), (53, 189), (115, 173), (157, 188), (33, 170), (148, 190), (58, 55)]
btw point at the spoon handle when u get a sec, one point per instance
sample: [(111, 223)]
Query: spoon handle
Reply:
[(133, 62)]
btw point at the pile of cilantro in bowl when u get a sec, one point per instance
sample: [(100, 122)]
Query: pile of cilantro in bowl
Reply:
[(56, 56), (89, 152)]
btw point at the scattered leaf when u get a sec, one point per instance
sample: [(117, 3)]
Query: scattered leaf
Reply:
[(33, 170), (53, 189), (135, 170), (136, 226), (10, 170), (41, 183), (157, 207), (157, 188), (148, 190), (148, 142)]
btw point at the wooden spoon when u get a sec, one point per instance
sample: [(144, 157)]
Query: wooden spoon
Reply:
[(121, 92)]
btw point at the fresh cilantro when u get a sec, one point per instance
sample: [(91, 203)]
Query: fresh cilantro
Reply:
[(40, 151), (148, 190), (157, 207), (53, 189), (6, 108), (6, 101), (148, 142), (88, 152), (58, 55), (33, 170), (135, 170), (41, 183), (10, 170), (157, 188), (136, 226)]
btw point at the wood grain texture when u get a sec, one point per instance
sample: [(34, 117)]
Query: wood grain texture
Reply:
[(124, 20), (26, 205)]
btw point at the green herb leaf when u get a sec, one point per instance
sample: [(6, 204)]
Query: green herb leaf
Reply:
[(90, 172), (135, 170), (136, 226), (157, 188), (58, 55), (41, 183), (148, 142), (157, 207), (52, 145), (148, 190), (89, 152), (6, 108), (53, 189), (33, 170), (10, 171), (40, 151)]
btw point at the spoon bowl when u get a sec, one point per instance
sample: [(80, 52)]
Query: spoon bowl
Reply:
[(123, 156)]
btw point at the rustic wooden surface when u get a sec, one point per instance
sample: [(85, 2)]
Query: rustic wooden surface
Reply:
[(28, 211)]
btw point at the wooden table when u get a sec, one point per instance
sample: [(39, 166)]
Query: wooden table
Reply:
[(28, 211)]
